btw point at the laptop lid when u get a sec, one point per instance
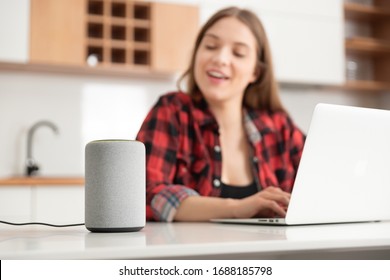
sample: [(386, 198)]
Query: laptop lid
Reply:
[(344, 172)]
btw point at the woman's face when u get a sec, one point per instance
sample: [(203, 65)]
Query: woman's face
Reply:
[(225, 62)]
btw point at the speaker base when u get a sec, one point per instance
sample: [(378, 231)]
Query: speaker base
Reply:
[(126, 229)]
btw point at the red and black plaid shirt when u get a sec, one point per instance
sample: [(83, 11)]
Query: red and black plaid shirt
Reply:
[(183, 154)]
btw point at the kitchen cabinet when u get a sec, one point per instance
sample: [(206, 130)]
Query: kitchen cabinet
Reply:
[(57, 33), (112, 34), (48, 204), (14, 30), (303, 7), (305, 50), (15, 203), (174, 30), (56, 200), (58, 204), (367, 45)]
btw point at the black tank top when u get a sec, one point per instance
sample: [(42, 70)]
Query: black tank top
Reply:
[(229, 191)]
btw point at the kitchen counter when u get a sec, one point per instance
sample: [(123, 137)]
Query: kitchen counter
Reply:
[(41, 181), (200, 241)]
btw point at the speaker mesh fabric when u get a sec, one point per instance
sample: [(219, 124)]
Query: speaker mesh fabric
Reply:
[(114, 185)]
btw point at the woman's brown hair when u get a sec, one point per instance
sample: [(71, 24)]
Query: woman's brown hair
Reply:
[(264, 92)]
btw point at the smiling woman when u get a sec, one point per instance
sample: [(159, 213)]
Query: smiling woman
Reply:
[(225, 148)]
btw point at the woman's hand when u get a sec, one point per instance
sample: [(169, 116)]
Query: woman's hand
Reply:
[(268, 203)]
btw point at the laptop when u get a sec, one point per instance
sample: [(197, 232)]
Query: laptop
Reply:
[(344, 172)]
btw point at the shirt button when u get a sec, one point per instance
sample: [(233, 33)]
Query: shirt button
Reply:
[(255, 159), (217, 149), (216, 183)]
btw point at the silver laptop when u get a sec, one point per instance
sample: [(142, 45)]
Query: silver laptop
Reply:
[(344, 173)]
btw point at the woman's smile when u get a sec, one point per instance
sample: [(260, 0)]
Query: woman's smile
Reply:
[(217, 77)]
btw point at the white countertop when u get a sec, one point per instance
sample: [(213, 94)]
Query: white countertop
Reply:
[(200, 241)]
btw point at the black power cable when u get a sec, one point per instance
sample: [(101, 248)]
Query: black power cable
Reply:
[(41, 224)]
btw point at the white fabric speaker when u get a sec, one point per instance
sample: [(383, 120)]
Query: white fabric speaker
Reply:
[(115, 186)]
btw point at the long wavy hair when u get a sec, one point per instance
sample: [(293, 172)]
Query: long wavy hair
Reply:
[(262, 93)]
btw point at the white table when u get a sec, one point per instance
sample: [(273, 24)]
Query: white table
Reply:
[(200, 241)]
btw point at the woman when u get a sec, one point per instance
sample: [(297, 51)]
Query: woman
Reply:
[(226, 148)]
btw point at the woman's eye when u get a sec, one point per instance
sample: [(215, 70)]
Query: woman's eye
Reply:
[(211, 47), (239, 54)]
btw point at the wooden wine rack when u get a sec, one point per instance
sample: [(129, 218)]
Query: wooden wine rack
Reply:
[(119, 32)]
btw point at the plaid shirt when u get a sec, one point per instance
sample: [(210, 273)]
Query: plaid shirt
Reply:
[(183, 154)]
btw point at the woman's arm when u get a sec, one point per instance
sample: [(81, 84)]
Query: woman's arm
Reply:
[(267, 203), (161, 133)]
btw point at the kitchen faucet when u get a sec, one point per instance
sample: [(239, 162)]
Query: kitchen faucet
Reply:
[(31, 166)]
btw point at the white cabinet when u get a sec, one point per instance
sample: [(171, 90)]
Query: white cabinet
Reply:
[(15, 203), (306, 39), (58, 204), (14, 30), (47, 204), (308, 7), (304, 50)]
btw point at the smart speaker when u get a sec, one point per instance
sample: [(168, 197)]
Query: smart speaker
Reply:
[(114, 186)]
